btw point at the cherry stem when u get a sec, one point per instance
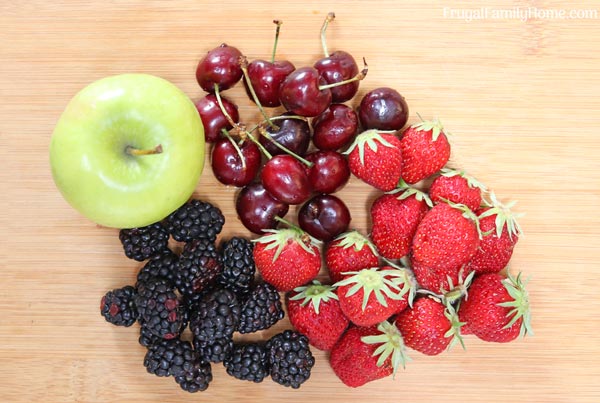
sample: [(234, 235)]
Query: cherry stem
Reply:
[(136, 151), (282, 117), (278, 22), (361, 75), (330, 17), (260, 146), (223, 110), (237, 148), (266, 134), (243, 61)]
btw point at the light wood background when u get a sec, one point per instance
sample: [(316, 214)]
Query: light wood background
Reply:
[(521, 99)]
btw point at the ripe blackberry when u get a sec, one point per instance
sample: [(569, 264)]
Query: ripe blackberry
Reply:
[(216, 351), (248, 362), (118, 306), (199, 265), (196, 377), (261, 309), (141, 243), (169, 357), (147, 338), (215, 316), (160, 310), (195, 220), (289, 358), (162, 265), (238, 265)]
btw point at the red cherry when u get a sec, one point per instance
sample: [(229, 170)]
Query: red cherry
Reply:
[(293, 134), (285, 179), (384, 109), (219, 66), (335, 127), (324, 217), (231, 168), (329, 173), (266, 78), (213, 118), (257, 209), (300, 93), (339, 66)]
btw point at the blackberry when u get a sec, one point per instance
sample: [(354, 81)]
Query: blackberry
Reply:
[(195, 220), (247, 362), (141, 243), (215, 316), (147, 338), (118, 306), (289, 358), (169, 357), (162, 265), (160, 310), (216, 351), (261, 309), (199, 265), (196, 377), (238, 265)]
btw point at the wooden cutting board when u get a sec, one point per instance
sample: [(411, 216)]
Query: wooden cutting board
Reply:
[(520, 97)]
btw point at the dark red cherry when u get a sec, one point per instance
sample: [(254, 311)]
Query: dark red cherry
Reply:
[(324, 217), (213, 118), (219, 66), (329, 173), (300, 93), (339, 66), (384, 109), (266, 78), (227, 163), (335, 127), (293, 134), (257, 209), (285, 179)]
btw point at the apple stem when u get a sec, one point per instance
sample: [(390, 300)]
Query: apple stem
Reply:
[(266, 134), (222, 107), (360, 76), (243, 61), (330, 17), (136, 151), (237, 148), (278, 23)]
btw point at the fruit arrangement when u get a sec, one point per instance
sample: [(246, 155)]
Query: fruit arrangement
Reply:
[(431, 269)]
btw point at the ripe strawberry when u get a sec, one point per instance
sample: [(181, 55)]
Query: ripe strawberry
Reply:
[(287, 258), (314, 311), (440, 281), (395, 220), (447, 237), (380, 163), (425, 150), (365, 354), (501, 233), (497, 308), (370, 296), (348, 253), (429, 326), (458, 187)]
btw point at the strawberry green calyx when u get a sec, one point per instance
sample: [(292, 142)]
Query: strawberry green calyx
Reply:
[(392, 345), (455, 325), (408, 191), (371, 138), (356, 240), (459, 291), (504, 216), (520, 304), (314, 294), (279, 238), (471, 181), (434, 125), (392, 282), (466, 213)]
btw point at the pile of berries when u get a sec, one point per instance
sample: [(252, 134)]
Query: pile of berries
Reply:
[(431, 268), (213, 292)]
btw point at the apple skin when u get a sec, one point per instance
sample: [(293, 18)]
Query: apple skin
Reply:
[(88, 157)]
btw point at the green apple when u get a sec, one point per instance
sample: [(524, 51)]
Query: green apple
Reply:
[(128, 150)]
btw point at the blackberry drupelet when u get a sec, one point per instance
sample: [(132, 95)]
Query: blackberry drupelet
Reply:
[(141, 243), (196, 377), (118, 306), (215, 351), (289, 358), (215, 316), (147, 338), (238, 265), (162, 265), (169, 357), (195, 220), (247, 362), (198, 267), (160, 310), (261, 309)]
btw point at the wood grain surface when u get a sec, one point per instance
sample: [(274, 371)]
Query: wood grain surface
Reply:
[(520, 97)]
